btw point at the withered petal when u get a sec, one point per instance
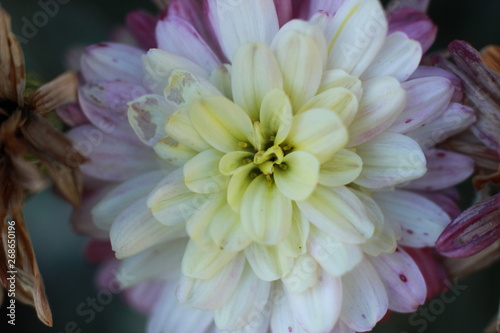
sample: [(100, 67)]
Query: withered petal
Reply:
[(462, 267), (12, 73), (62, 90), (490, 55), (472, 231), (68, 181), (30, 288)]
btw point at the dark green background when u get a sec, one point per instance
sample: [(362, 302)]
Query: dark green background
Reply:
[(69, 280)]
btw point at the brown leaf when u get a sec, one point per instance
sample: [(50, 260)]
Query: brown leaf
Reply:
[(490, 55), (67, 180), (62, 90), (29, 283), (460, 268), (12, 73)]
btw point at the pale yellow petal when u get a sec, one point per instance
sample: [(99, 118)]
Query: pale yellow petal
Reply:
[(233, 161), (276, 116), (221, 78), (268, 262), (337, 78), (173, 152), (238, 185), (202, 264), (343, 168), (185, 87), (298, 175), (227, 232), (181, 129), (202, 175), (295, 244)]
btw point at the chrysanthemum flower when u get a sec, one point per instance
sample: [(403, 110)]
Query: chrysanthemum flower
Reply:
[(290, 163)]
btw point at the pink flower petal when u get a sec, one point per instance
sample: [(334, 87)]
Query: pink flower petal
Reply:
[(444, 169), (415, 24), (111, 158), (284, 8), (429, 264), (72, 115), (105, 105), (98, 251), (397, 5), (178, 36), (428, 71), (144, 296), (474, 230), (142, 26), (402, 279), (112, 62)]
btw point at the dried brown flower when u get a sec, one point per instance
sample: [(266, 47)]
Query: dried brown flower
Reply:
[(30, 147)]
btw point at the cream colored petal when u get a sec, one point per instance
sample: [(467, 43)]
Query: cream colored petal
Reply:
[(268, 262), (383, 101), (136, 230), (221, 79), (337, 258), (343, 168), (174, 152), (171, 202), (339, 213), (238, 185), (390, 159), (233, 161), (199, 223), (227, 231), (266, 214), (202, 175), (301, 64), (319, 132), (185, 87), (337, 78), (340, 100), (358, 31), (181, 129), (199, 293), (300, 177), (221, 123), (202, 264), (276, 116), (255, 72), (303, 275), (295, 244)]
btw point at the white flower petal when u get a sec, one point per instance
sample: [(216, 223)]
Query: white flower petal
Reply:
[(276, 116), (364, 300), (227, 231), (339, 100), (122, 196), (337, 78), (255, 72), (339, 213), (319, 132), (283, 319), (171, 202), (169, 316), (343, 168), (300, 177), (237, 23), (422, 221), (399, 57), (403, 281), (214, 292), (221, 123), (135, 230), (173, 152), (159, 65), (268, 262), (336, 258), (382, 102), (301, 60), (185, 87), (318, 308), (390, 159), (303, 275), (295, 244), (201, 264), (151, 264), (250, 295), (266, 214), (221, 79), (147, 116), (181, 129), (202, 175), (359, 29)]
